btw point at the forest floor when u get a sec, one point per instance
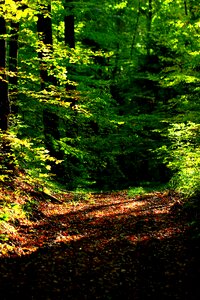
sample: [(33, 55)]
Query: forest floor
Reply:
[(104, 246)]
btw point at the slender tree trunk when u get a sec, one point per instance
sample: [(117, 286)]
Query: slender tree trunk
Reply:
[(6, 162), (69, 25), (44, 28), (13, 64), (186, 8), (119, 29), (4, 100), (149, 22), (50, 119), (135, 29), (70, 42)]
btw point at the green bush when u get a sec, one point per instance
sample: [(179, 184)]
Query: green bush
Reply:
[(183, 157)]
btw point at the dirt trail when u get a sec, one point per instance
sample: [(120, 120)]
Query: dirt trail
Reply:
[(108, 247)]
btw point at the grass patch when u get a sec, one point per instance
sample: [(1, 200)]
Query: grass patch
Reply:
[(82, 195), (10, 212), (146, 188)]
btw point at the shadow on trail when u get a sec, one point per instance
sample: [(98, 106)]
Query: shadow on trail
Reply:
[(114, 258)]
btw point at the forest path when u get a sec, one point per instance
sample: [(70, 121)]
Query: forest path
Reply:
[(105, 247)]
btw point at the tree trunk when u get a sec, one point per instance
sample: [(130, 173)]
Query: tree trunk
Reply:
[(5, 155), (69, 25), (185, 6), (13, 63), (4, 100), (44, 28), (50, 119), (70, 88), (70, 42), (149, 22), (135, 29)]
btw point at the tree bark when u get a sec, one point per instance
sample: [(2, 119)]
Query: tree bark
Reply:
[(44, 28), (13, 64), (70, 42), (149, 22), (69, 25), (5, 157), (50, 119), (135, 29), (185, 6), (4, 100)]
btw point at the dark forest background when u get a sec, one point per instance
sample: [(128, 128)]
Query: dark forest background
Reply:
[(100, 94)]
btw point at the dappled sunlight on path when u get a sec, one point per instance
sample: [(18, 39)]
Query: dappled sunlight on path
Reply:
[(114, 217), (108, 247)]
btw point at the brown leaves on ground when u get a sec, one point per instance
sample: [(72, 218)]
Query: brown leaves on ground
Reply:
[(105, 247)]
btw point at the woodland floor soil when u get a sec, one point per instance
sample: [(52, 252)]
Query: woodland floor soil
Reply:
[(106, 247)]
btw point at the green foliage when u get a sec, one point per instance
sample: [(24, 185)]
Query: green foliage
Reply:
[(81, 195), (30, 207), (10, 211), (3, 238), (109, 99), (146, 188), (136, 191), (28, 155), (183, 157), (4, 217)]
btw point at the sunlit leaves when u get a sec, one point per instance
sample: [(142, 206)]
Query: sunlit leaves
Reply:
[(121, 5), (184, 156)]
